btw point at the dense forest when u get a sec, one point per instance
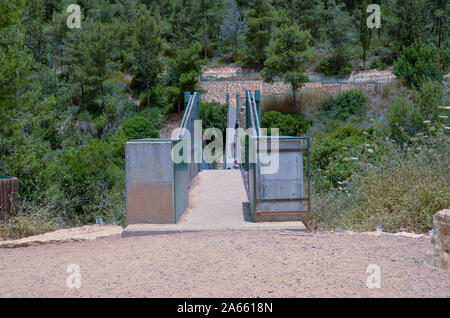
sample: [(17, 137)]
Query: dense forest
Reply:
[(71, 97)]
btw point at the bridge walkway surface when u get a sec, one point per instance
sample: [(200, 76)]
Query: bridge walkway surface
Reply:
[(232, 147), (217, 201)]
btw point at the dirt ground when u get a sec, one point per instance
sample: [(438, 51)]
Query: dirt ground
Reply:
[(262, 263)]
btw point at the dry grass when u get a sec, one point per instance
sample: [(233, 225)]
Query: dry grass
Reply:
[(310, 98), (404, 190)]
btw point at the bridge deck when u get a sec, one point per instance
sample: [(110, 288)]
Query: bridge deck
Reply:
[(217, 197)]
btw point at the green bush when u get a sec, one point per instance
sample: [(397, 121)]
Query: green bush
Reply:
[(418, 63), (153, 114), (348, 104), (138, 127), (402, 190), (335, 158), (161, 97), (405, 120), (214, 115), (428, 99), (337, 63), (288, 125)]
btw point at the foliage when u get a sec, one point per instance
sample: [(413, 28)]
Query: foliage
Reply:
[(335, 157), (428, 98), (69, 97), (214, 115), (384, 194), (139, 127), (147, 47), (233, 27), (404, 120), (286, 57), (288, 125), (259, 23), (348, 104), (338, 63), (417, 63)]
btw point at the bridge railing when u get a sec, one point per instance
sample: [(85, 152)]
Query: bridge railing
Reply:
[(275, 187), (157, 179)]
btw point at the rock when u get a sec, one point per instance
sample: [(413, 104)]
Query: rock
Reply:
[(440, 255), (85, 233)]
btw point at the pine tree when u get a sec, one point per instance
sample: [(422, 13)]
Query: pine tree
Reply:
[(410, 26), (259, 23), (233, 27), (208, 15), (287, 60), (364, 31), (148, 65)]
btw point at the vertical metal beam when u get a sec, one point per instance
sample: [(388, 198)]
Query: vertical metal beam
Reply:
[(247, 118), (258, 104), (187, 95), (238, 104)]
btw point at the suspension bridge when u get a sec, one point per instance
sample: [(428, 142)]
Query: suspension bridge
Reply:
[(172, 183)]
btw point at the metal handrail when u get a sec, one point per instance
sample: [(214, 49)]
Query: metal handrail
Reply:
[(254, 119), (186, 116), (255, 111)]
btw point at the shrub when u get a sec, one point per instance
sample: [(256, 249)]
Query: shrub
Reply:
[(405, 120), (337, 63), (161, 97), (418, 63), (403, 190), (153, 114), (138, 127), (288, 125), (335, 158), (214, 115), (24, 225), (428, 99), (352, 103)]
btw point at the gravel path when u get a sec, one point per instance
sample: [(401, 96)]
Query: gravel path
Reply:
[(226, 264)]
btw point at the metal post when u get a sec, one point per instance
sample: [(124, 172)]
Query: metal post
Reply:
[(187, 95), (258, 103)]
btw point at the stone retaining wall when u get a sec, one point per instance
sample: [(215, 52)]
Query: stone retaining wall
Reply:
[(440, 257), (215, 91)]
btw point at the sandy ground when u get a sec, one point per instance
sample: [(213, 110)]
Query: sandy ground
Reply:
[(226, 264), (85, 233)]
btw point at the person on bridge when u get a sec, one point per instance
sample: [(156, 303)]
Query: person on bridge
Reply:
[(236, 126)]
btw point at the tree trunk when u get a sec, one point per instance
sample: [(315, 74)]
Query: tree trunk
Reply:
[(364, 57), (294, 96)]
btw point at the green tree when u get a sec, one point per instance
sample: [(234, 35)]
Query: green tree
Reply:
[(10, 12), (259, 23), (410, 23), (417, 63), (286, 60), (208, 15), (364, 31), (148, 65), (185, 69), (233, 27)]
